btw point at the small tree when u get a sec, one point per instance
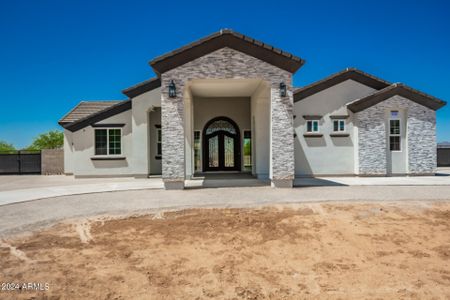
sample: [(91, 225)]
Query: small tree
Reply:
[(50, 140), (5, 147)]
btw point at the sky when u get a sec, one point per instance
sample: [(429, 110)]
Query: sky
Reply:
[(57, 53)]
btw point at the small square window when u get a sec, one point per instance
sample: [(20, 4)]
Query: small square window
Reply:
[(338, 125), (312, 126), (108, 141)]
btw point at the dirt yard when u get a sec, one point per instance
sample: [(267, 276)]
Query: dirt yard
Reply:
[(327, 251)]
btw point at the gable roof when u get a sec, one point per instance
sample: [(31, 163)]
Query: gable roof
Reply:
[(393, 90), (231, 39), (142, 87), (88, 113), (349, 73)]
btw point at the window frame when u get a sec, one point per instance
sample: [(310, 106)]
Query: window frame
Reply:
[(107, 142), (338, 121), (251, 149), (158, 142), (198, 168), (312, 126), (399, 134)]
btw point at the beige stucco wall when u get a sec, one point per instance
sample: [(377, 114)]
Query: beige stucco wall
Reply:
[(260, 120), (237, 109), (155, 162), (141, 107), (69, 155), (327, 155), (83, 145)]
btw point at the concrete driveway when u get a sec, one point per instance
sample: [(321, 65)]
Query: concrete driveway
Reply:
[(32, 215), (14, 189)]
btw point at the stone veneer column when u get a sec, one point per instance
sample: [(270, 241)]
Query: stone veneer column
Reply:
[(282, 137), (172, 125)]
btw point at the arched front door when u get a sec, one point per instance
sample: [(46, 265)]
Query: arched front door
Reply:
[(221, 145)]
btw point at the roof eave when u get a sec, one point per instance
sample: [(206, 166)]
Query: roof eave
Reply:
[(339, 77), (142, 87), (231, 39), (394, 90), (98, 116)]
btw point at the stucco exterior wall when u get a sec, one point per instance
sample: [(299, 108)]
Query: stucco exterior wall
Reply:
[(155, 160), (260, 114), (141, 107), (327, 155), (420, 134), (69, 155), (223, 64), (84, 149)]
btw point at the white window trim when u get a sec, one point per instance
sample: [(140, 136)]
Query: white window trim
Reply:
[(394, 134), (312, 126), (339, 127), (107, 143)]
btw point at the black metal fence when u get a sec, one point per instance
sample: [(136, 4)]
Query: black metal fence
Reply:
[(20, 162), (443, 157)]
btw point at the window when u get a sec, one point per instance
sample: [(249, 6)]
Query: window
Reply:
[(312, 126), (394, 134), (197, 151), (159, 142), (108, 141), (247, 150), (338, 125)]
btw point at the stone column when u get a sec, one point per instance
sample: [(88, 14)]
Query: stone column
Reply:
[(282, 164), (172, 125)]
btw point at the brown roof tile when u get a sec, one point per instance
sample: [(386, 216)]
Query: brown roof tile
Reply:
[(85, 109)]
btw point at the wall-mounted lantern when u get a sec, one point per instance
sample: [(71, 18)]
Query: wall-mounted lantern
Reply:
[(172, 89), (283, 89)]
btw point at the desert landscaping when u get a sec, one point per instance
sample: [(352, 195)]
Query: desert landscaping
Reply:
[(351, 250)]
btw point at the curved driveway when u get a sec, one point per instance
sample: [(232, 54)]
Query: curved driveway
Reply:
[(32, 215)]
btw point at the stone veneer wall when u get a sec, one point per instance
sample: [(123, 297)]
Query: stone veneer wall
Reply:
[(421, 137), (226, 63)]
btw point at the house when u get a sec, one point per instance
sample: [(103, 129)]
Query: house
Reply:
[(226, 103)]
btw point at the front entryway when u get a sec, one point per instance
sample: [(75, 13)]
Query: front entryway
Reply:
[(221, 145)]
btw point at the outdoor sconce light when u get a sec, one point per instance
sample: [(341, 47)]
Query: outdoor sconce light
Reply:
[(282, 89), (172, 89)]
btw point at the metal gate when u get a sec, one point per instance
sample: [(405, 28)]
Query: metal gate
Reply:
[(20, 162), (443, 157)]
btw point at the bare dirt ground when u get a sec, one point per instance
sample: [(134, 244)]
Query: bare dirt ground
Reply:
[(327, 251)]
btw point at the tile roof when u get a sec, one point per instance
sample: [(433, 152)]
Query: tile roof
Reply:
[(231, 39), (393, 90), (85, 109), (349, 73)]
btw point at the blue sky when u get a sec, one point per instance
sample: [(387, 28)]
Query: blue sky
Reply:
[(56, 53)]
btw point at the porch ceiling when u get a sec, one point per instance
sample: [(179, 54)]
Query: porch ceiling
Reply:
[(224, 87)]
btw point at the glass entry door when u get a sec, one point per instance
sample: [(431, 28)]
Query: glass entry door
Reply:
[(221, 145)]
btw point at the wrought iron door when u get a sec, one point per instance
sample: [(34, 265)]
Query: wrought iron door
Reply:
[(221, 145)]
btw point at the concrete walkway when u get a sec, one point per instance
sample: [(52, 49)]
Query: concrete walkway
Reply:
[(32, 215), (15, 189)]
